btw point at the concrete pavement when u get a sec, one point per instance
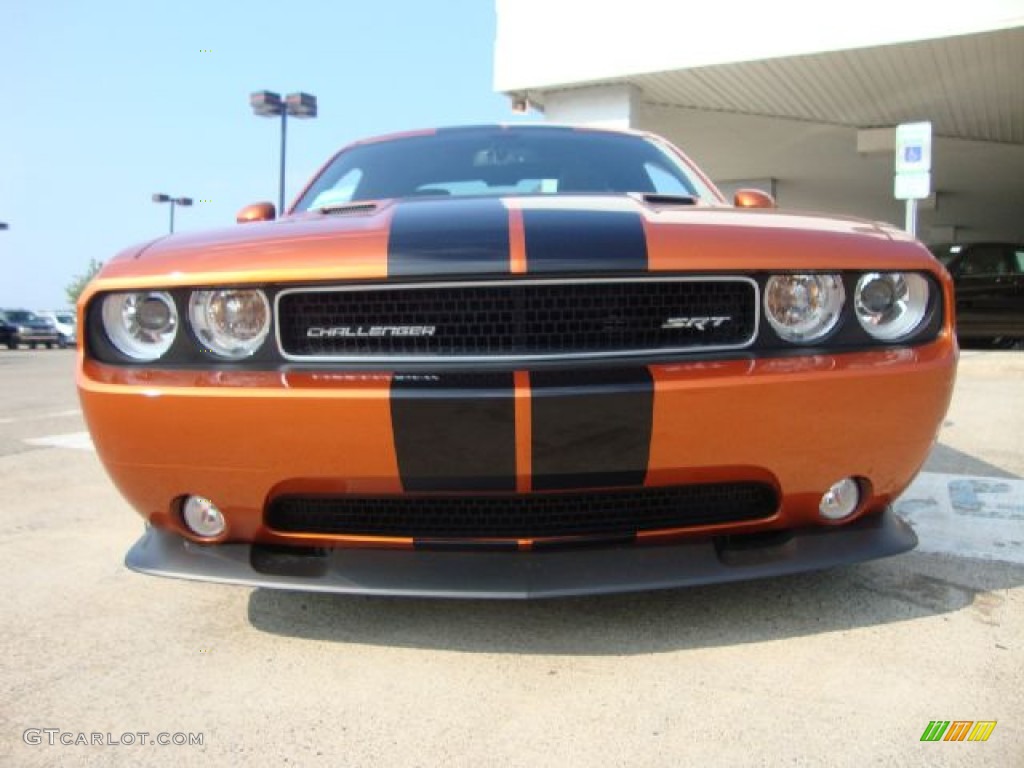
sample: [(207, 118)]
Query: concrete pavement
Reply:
[(845, 667)]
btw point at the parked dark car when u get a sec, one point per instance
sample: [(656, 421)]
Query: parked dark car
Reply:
[(8, 331), (989, 279), (24, 327)]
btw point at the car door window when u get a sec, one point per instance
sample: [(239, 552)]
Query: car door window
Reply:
[(984, 261), (1017, 261)]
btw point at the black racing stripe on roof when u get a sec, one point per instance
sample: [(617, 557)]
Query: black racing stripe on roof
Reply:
[(590, 429), (584, 241), (449, 237), (455, 432)]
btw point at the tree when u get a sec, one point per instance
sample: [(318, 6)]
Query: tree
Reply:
[(77, 285)]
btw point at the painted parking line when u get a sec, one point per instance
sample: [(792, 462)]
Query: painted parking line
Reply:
[(79, 441), (41, 416), (981, 517)]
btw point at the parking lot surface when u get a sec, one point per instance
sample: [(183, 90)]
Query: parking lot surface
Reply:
[(844, 667)]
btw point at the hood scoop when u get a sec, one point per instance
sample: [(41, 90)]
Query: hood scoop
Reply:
[(344, 209), (656, 199)]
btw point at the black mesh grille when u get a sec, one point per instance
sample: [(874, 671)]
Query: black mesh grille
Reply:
[(525, 515), (519, 319)]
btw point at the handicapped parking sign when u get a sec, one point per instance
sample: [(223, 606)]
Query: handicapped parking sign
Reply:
[(914, 147)]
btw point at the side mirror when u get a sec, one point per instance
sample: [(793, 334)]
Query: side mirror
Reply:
[(753, 198), (256, 212)]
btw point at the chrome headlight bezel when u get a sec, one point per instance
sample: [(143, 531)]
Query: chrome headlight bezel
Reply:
[(215, 322), (891, 306), (141, 325)]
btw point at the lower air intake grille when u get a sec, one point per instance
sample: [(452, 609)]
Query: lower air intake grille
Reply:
[(525, 516)]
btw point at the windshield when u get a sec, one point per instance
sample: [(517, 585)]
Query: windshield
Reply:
[(502, 161), (21, 316)]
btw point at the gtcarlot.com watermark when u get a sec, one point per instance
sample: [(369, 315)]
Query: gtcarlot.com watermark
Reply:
[(55, 737)]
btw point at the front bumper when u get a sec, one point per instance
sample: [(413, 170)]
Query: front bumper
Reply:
[(36, 337), (244, 439), (528, 574)]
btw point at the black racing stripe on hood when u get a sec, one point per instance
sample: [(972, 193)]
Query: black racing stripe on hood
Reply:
[(591, 241), (449, 237), (455, 432), (591, 428)]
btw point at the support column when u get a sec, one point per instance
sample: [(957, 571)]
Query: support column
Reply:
[(606, 106)]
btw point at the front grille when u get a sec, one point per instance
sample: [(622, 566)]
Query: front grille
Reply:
[(518, 319), (525, 516)]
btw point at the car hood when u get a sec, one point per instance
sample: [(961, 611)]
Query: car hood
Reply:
[(472, 236)]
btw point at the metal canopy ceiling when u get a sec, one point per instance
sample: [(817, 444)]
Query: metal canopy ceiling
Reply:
[(969, 87), (793, 123)]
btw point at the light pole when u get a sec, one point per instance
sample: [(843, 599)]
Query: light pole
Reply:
[(269, 104), (159, 198)]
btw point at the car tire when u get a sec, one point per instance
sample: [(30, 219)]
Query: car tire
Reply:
[(12, 344), (49, 345)]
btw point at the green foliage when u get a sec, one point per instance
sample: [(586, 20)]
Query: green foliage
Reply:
[(77, 285)]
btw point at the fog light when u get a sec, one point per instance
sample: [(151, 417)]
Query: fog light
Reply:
[(841, 500), (202, 517)]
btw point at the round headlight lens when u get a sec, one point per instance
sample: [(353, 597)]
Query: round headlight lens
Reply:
[(231, 323), (891, 305), (140, 325), (803, 308)]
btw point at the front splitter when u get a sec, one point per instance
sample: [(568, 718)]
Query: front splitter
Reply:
[(520, 575)]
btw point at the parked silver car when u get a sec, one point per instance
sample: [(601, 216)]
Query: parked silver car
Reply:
[(65, 322)]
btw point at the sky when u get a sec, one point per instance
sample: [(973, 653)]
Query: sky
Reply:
[(106, 103)]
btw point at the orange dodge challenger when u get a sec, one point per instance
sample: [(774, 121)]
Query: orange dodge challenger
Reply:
[(516, 361)]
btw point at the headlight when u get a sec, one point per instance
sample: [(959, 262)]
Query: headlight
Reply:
[(891, 305), (803, 308), (140, 325), (232, 323)]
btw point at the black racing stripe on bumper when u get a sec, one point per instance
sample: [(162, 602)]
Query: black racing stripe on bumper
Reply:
[(592, 241), (455, 432), (590, 429), (431, 238)]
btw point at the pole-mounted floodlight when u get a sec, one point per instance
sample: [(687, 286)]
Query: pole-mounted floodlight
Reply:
[(270, 104), (301, 105), (3, 225), (265, 103), (160, 198)]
